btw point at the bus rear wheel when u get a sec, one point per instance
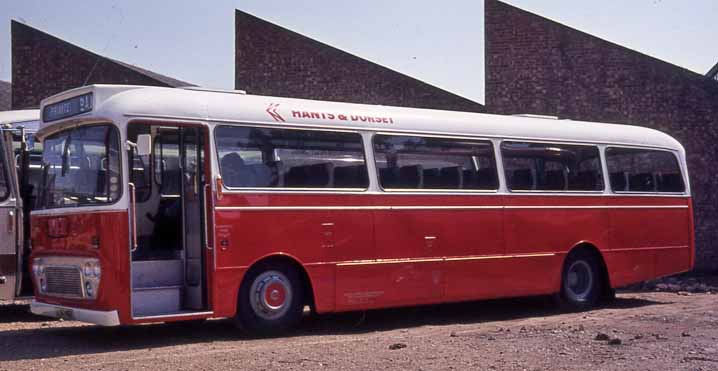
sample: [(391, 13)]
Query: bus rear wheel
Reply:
[(271, 299), (581, 281)]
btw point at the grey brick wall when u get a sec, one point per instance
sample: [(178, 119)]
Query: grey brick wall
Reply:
[(271, 60), (43, 65), (5, 95), (534, 65)]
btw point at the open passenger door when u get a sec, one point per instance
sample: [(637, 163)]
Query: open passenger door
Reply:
[(11, 254), (171, 253)]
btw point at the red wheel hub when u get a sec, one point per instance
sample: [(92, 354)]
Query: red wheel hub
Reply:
[(275, 294)]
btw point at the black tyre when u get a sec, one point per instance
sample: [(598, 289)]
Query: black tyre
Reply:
[(609, 295), (581, 281), (271, 299)]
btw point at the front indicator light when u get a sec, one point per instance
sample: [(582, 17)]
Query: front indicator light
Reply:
[(87, 270), (89, 290), (38, 268)]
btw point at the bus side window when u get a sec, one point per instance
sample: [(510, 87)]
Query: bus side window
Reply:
[(251, 157), (4, 189), (167, 161), (158, 162), (644, 170), (412, 162), (140, 172), (552, 167)]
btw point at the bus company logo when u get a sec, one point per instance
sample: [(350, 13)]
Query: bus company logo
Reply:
[(339, 117), (272, 111)]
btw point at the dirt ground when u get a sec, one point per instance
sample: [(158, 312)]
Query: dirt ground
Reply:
[(641, 331)]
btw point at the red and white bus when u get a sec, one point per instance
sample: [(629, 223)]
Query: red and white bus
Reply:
[(165, 204)]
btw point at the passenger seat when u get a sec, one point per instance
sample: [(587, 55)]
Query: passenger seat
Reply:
[(310, 176), (522, 179), (554, 180), (411, 177), (351, 177)]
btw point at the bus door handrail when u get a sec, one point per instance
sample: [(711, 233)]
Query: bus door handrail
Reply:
[(208, 203), (133, 207)]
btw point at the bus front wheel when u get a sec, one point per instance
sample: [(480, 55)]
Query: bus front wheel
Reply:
[(270, 299), (581, 281)]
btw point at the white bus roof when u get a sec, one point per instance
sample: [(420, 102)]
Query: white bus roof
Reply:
[(122, 103), (14, 117)]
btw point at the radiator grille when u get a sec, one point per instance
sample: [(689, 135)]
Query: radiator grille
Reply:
[(65, 281)]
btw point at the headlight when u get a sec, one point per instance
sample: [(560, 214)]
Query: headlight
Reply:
[(38, 272), (38, 268), (91, 269)]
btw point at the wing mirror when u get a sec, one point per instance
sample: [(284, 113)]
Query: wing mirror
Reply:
[(144, 145)]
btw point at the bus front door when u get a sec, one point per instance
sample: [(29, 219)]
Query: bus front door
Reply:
[(10, 260), (193, 181), (169, 272)]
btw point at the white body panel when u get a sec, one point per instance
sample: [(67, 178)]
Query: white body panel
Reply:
[(10, 117), (110, 318), (208, 106), (123, 104)]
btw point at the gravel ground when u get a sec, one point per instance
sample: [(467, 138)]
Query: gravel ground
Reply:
[(640, 331)]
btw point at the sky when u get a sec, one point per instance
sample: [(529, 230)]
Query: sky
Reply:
[(441, 43)]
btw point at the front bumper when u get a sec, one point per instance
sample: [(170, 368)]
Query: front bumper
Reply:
[(110, 318)]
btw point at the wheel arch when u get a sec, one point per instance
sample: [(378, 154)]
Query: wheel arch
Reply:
[(593, 249), (290, 260)]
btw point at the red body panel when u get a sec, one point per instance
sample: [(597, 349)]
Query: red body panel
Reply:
[(415, 252), (111, 230), (649, 243), (550, 224), (364, 251)]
